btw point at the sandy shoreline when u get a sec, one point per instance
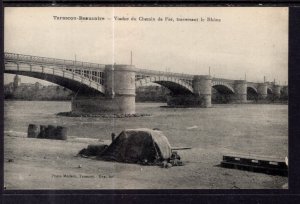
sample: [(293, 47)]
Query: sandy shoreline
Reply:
[(53, 164)]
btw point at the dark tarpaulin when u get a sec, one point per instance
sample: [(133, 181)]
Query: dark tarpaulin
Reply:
[(138, 145)]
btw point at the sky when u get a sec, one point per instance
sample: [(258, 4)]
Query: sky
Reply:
[(244, 41)]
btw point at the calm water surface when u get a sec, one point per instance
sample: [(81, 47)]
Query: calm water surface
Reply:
[(245, 128)]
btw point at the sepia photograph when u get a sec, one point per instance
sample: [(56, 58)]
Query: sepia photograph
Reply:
[(145, 98)]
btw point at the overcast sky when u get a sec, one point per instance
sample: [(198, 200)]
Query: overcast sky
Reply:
[(246, 40)]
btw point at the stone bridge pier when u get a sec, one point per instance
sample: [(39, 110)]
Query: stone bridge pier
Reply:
[(119, 95), (240, 91), (276, 91), (262, 91), (202, 85), (284, 90)]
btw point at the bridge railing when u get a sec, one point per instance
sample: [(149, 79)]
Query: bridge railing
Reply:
[(231, 81), (224, 80), (51, 61), (163, 73), (54, 70)]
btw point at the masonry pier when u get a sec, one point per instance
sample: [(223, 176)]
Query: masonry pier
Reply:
[(119, 95), (202, 89), (240, 89), (262, 91), (276, 91)]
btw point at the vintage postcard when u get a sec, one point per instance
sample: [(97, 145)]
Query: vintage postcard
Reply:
[(146, 98)]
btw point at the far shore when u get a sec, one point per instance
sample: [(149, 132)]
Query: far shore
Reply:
[(213, 103)]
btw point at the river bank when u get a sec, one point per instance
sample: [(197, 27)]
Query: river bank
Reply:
[(245, 129), (50, 164)]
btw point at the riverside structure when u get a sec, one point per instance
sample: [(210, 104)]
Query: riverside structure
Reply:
[(110, 89)]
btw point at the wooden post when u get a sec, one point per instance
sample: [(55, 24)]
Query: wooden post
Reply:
[(61, 133), (33, 131)]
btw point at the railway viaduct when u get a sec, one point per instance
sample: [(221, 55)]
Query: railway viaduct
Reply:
[(102, 89)]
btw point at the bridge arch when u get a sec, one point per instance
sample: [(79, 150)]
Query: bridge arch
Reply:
[(269, 90), (252, 89), (222, 87), (175, 85), (70, 80), (221, 92), (252, 93)]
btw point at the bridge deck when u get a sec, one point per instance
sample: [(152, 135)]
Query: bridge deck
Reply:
[(95, 71)]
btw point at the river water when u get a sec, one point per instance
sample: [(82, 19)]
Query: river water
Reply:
[(243, 128)]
